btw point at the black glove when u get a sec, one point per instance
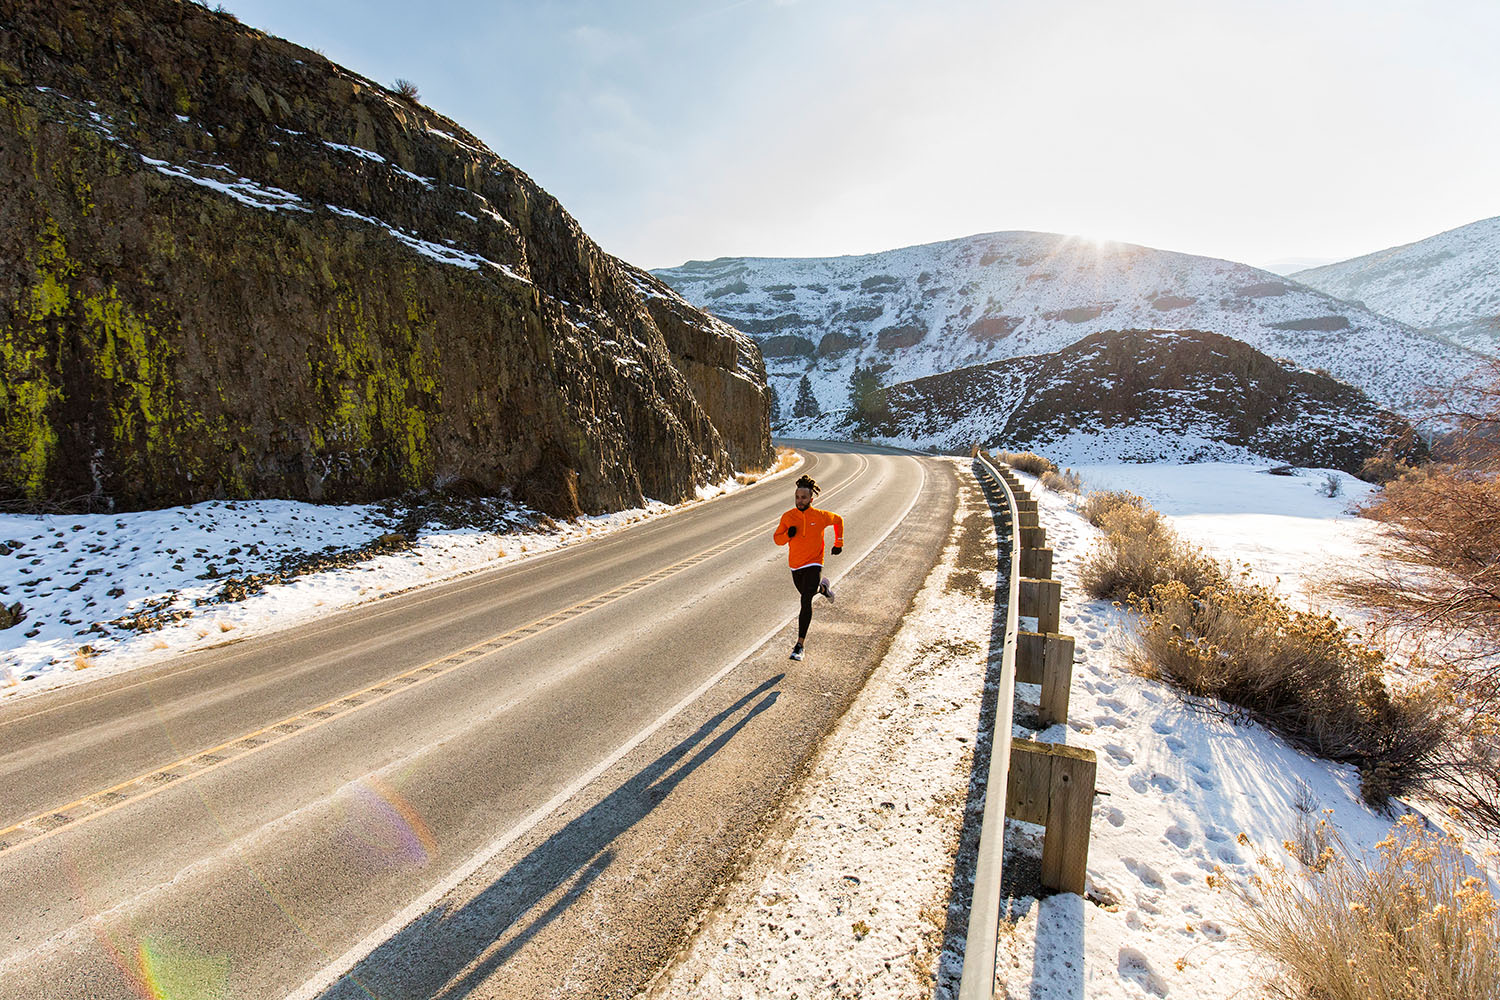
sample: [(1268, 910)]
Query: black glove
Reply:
[(791, 532), (837, 549)]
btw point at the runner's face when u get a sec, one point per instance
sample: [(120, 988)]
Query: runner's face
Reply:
[(804, 499)]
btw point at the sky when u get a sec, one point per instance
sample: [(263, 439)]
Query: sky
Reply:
[(693, 129)]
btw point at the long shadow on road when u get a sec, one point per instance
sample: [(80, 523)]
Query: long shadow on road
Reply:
[(449, 952)]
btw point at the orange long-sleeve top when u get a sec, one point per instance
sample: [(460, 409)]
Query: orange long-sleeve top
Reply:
[(806, 547)]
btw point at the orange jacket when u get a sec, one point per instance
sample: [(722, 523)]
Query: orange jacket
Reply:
[(806, 547)]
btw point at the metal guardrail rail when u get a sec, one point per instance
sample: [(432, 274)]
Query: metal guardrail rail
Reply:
[(978, 981)]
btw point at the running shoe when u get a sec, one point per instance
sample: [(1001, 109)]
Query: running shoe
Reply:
[(826, 589), (796, 652)]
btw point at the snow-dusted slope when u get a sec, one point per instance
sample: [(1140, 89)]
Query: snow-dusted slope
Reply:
[(1448, 284), (924, 310)]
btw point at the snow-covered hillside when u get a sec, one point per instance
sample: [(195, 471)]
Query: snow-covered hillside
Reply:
[(924, 310), (1448, 284)]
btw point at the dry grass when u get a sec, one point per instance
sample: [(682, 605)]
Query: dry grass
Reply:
[(1026, 461), (226, 626), (1410, 923), (1140, 551), (1097, 503), (1296, 672), (1066, 481), (785, 459)]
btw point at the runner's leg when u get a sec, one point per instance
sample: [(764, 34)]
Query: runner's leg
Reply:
[(807, 579)]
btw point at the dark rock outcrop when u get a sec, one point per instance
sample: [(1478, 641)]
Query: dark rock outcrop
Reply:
[(1195, 391), (230, 267)]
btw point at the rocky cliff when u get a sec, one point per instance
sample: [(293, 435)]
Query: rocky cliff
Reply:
[(1148, 395), (230, 267)]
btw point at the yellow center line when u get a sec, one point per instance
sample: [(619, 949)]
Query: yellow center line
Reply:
[(50, 822)]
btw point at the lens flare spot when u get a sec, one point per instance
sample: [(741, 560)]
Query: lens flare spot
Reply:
[(170, 971), (387, 826)]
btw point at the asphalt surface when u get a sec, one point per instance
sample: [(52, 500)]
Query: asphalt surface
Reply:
[(531, 781)]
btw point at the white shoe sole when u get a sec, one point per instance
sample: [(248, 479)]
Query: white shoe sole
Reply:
[(826, 590)]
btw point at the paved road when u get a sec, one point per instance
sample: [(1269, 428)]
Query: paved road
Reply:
[(527, 782)]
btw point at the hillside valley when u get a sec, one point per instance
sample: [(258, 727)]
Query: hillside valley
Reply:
[(923, 311)]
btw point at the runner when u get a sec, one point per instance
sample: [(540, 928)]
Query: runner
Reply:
[(801, 529)]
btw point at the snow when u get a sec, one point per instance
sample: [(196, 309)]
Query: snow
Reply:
[(242, 189), (73, 572), (1183, 793), (437, 251), (359, 151), (1447, 284)]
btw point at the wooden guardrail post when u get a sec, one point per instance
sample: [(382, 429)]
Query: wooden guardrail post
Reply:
[(1046, 658), (1053, 785), (1042, 600), (1036, 563)]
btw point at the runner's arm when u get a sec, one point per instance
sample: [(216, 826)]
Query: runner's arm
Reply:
[(781, 537)]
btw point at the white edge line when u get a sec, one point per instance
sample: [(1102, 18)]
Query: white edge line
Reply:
[(334, 971)]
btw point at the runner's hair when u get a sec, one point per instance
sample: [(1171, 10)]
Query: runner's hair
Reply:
[(809, 483)]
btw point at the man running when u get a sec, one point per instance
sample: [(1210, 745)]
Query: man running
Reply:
[(801, 529)]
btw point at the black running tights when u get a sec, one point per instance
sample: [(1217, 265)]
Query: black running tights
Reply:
[(807, 579)]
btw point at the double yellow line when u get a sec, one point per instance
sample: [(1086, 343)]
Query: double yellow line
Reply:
[(45, 825)]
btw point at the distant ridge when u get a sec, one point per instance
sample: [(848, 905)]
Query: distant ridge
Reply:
[(925, 310), (1447, 285)]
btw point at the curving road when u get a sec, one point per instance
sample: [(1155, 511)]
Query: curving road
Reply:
[(527, 782)]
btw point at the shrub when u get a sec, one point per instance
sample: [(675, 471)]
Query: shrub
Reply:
[(406, 90), (1383, 468), (1296, 672), (1411, 922), (1331, 486), (1140, 551), (1066, 481), (1026, 461), (1100, 502)]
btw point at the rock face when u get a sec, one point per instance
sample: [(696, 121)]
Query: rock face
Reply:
[(917, 311), (1147, 395), (232, 268)]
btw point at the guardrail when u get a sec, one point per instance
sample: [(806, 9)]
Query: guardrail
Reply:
[(1046, 783)]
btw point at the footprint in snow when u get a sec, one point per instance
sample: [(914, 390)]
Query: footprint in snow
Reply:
[(1136, 968), (1176, 744), (1184, 878), (1119, 754), (1114, 704), (1164, 782), (1115, 816), (1162, 727), (1149, 876), (1179, 837), (1228, 855), (1212, 930)]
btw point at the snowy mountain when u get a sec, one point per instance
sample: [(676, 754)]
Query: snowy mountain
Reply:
[(1147, 396), (918, 311), (1448, 284)]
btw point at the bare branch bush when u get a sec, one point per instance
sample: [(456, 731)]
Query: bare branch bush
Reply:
[(1438, 594)]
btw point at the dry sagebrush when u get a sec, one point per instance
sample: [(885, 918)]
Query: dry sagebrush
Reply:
[(1027, 461), (1066, 481), (1296, 672), (1410, 923), (1140, 551)]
